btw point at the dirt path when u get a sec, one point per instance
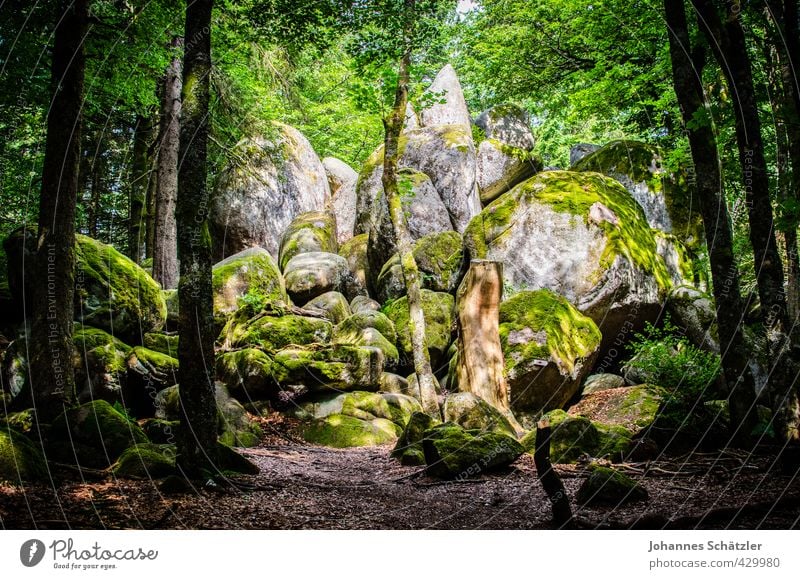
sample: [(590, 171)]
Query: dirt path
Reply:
[(306, 487)]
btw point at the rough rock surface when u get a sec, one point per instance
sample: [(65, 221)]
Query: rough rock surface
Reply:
[(309, 275), (251, 272), (308, 232), (342, 181), (453, 111)]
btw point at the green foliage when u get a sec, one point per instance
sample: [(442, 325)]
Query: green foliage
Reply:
[(681, 372)]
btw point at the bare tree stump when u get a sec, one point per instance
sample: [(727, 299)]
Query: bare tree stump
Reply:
[(480, 357), (551, 482)]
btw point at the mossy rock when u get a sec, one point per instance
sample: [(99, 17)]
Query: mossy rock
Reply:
[(101, 368), (14, 369), (364, 305), (453, 452), (149, 372), (372, 338), (364, 405), (147, 461), (393, 384), (438, 309), (633, 407), (440, 260), (341, 431), (162, 342), (312, 274), (20, 459), (355, 252), (114, 293), (548, 347), (363, 320), (606, 486), (332, 305), (408, 449), (22, 421), (95, 434), (473, 413), (161, 431), (665, 197), (572, 437), (247, 374), (271, 333), (250, 275), (600, 382), (339, 367), (309, 232), (171, 299)]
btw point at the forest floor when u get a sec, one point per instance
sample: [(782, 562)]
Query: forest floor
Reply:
[(309, 487)]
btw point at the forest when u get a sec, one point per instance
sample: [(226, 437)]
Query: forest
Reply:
[(399, 264)]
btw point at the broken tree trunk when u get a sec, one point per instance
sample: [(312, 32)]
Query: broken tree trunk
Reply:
[(480, 356), (551, 482)]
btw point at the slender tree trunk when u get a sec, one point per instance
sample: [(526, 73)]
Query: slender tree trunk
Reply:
[(165, 254), (480, 356), (150, 208), (687, 67), (726, 37), (393, 125), (140, 179), (50, 346), (198, 433)]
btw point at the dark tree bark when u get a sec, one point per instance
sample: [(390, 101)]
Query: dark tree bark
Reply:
[(50, 346), (726, 37), (139, 181), (150, 208), (393, 125), (198, 434), (165, 251), (551, 482), (687, 66)]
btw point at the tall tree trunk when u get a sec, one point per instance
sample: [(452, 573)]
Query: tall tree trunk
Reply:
[(165, 254), (50, 346), (393, 125), (198, 433), (687, 68), (150, 208), (95, 199), (726, 37), (139, 181)]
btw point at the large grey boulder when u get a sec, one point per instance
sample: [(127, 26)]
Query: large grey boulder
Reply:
[(255, 201), (250, 272), (354, 251), (579, 151), (582, 236), (342, 179), (508, 124), (453, 111), (308, 232), (665, 198), (309, 275)]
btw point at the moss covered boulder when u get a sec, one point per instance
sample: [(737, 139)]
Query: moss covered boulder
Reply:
[(342, 180), (666, 198), (338, 367), (581, 235), (95, 434), (314, 231), (355, 252), (440, 260), (634, 407), (247, 373), (573, 437), (606, 486), (309, 275), (20, 459), (548, 347), (693, 311), (252, 275), (333, 306), (473, 413), (270, 180), (147, 461), (341, 431), (271, 333), (438, 309), (149, 372), (453, 452), (101, 368), (408, 449), (603, 381), (364, 405), (14, 369), (370, 329), (162, 342)]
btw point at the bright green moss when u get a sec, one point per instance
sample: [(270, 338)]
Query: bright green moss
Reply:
[(275, 332), (311, 231), (638, 161), (541, 324), (162, 362), (164, 343), (490, 224), (147, 461), (363, 320), (438, 309), (340, 431), (20, 459), (252, 272), (102, 348)]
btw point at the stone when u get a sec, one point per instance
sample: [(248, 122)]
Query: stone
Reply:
[(363, 305), (453, 110), (247, 373), (548, 348), (309, 275), (500, 167), (149, 372), (408, 449), (162, 342), (314, 231), (342, 181), (20, 459), (256, 199), (272, 333), (355, 252), (473, 413), (440, 260), (339, 367), (573, 437), (251, 275), (438, 309), (633, 407), (333, 306), (599, 382), (367, 319), (146, 461), (452, 452), (101, 368), (95, 434), (392, 383), (364, 405), (579, 151), (693, 311), (507, 124), (606, 486), (341, 431), (551, 232)]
